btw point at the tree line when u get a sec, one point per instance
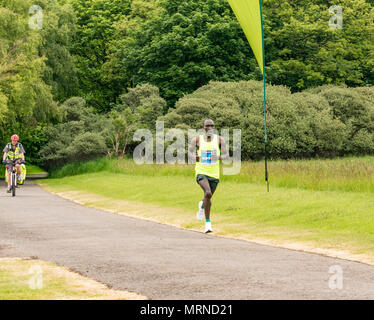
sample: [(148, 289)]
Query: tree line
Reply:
[(122, 64)]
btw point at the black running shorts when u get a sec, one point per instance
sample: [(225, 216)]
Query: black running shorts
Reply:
[(213, 182)]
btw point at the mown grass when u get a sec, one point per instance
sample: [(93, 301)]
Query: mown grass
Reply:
[(328, 203), (345, 174), (32, 169), (50, 282)]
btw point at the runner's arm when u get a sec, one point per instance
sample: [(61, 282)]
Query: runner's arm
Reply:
[(224, 151), (192, 154)]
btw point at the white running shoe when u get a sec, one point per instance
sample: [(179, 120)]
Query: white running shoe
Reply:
[(201, 213), (208, 227)]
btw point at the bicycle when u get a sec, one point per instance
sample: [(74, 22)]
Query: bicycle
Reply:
[(13, 176)]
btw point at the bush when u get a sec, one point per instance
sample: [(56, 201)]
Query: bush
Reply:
[(82, 135), (86, 146), (145, 101), (355, 108), (326, 121)]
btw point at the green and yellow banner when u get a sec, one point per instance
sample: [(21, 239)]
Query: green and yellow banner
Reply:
[(248, 13)]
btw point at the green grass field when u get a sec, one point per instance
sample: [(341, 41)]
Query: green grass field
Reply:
[(28, 279), (31, 169), (325, 203), (346, 174)]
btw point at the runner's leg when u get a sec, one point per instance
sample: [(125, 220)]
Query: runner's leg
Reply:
[(204, 184)]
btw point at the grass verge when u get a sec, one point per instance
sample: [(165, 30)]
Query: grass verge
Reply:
[(349, 174), (31, 169), (28, 279)]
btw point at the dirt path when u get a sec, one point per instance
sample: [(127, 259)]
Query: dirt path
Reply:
[(163, 262)]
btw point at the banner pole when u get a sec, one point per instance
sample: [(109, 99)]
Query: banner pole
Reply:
[(264, 80)]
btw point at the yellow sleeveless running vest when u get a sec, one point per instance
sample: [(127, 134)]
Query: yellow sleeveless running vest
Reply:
[(13, 155), (207, 166)]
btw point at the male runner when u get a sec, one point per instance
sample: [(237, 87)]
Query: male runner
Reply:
[(207, 167)]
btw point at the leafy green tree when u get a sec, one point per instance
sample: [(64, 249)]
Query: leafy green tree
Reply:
[(188, 43), (144, 100), (302, 51), (26, 101), (56, 41), (94, 31), (182, 47), (122, 123), (141, 11), (139, 108)]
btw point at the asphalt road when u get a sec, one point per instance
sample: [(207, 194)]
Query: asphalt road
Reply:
[(163, 262)]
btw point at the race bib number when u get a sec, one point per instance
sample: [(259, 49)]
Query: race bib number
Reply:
[(207, 159)]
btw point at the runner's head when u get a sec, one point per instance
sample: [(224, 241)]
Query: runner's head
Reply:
[(208, 127), (14, 138)]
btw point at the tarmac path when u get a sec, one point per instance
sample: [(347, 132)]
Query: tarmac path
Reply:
[(164, 262)]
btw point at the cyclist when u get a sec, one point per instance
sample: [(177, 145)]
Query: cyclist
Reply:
[(14, 152)]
